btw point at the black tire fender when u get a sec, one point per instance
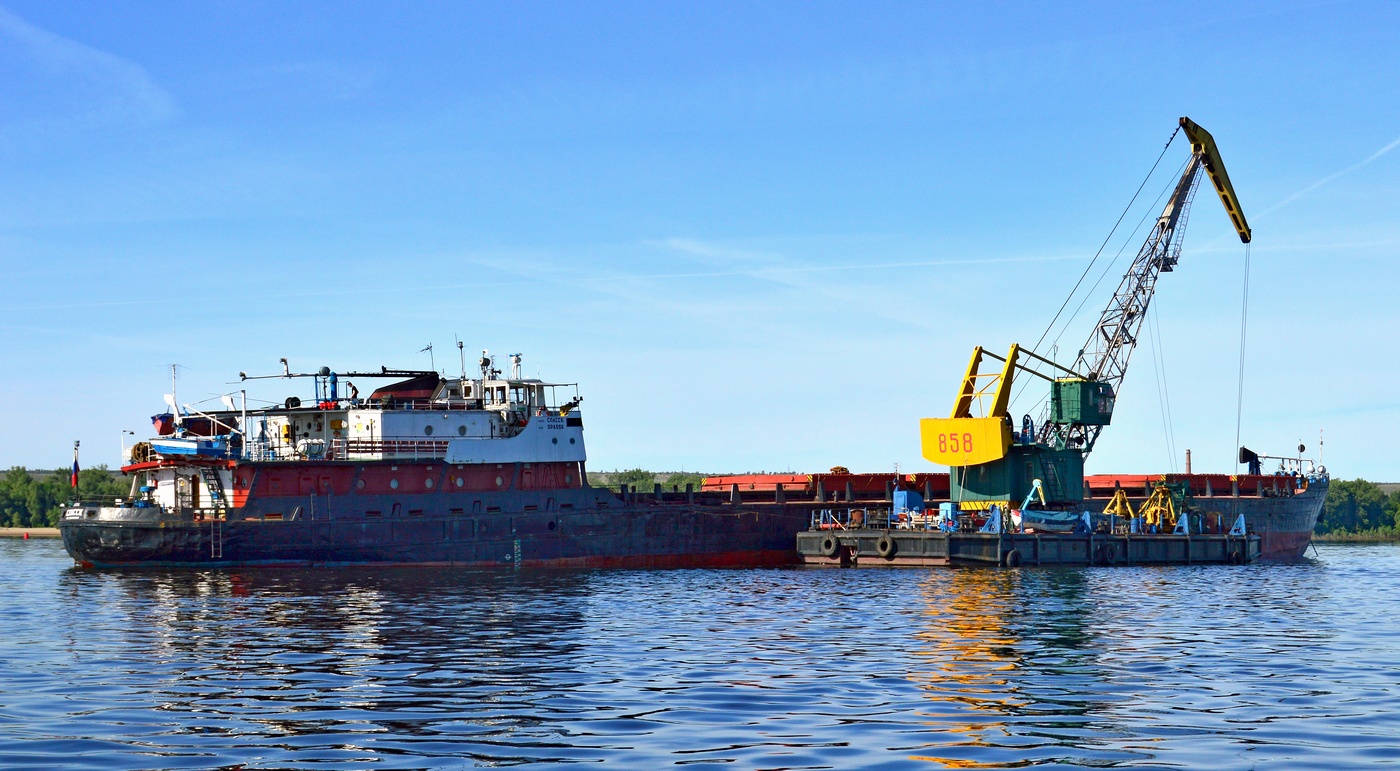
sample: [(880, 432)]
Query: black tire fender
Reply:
[(831, 545), (885, 547), (1012, 559)]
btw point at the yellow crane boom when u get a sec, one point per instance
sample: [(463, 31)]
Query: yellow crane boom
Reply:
[(1203, 144)]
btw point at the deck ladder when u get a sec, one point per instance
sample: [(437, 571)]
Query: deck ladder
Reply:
[(1050, 477), (216, 539), (215, 485)]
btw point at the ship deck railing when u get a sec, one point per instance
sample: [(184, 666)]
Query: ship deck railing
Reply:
[(91, 501), (349, 449)]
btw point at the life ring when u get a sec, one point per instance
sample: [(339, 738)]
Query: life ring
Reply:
[(1012, 559), (885, 547), (830, 546)]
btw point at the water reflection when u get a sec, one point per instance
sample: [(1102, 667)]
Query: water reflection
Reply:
[(1013, 662), (1189, 667), (320, 660)]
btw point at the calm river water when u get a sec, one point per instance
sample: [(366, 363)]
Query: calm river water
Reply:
[(1264, 666)]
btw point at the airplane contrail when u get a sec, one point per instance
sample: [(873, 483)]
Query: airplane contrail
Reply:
[(1329, 178)]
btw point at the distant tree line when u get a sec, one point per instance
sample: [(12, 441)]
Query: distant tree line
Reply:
[(645, 481), (1361, 509), (36, 499)]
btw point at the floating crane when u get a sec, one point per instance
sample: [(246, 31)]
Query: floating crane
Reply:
[(989, 461)]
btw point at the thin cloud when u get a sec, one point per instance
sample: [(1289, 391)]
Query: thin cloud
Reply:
[(697, 248), (1295, 196), (125, 88)]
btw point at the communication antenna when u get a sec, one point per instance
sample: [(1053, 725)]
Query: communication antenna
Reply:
[(170, 397), (431, 362), (461, 354), (515, 366)]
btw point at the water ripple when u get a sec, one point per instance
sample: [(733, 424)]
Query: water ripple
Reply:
[(1285, 666)]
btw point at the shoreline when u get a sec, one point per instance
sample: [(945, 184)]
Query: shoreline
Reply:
[(34, 532), (1355, 538)]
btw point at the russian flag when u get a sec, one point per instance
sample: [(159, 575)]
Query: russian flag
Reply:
[(75, 471)]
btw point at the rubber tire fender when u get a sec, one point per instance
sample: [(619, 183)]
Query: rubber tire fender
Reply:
[(1012, 558), (830, 545), (885, 547), (1236, 558), (1109, 553)]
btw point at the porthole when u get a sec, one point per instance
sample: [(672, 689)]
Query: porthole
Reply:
[(394, 484), (568, 479), (571, 441), (555, 440), (460, 482), (428, 483), (427, 430), (359, 484), (500, 481), (552, 525), (461, 430)]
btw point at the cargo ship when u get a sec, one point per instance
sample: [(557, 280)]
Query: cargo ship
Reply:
[(481, 471)]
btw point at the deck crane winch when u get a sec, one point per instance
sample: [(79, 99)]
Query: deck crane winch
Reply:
[(990, 462)]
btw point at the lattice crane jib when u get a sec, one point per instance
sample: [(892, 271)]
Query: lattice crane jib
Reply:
[(982, 450), (1106, 353)]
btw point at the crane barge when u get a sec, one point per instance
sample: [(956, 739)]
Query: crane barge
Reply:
[(1011, 483)]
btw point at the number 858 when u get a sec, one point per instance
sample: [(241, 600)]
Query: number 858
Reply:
[(955, 443)]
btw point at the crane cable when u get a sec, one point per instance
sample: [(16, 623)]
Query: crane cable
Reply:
[(1159, 370), (1107, 268), (1171, 182), (1106, 239), (1048, 327), (1244, 324)]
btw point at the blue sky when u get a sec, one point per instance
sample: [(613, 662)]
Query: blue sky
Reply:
[(761, 238)]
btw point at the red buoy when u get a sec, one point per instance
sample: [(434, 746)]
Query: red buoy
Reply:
[(26, 535)]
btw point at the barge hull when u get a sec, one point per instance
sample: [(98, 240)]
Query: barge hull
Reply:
[(913, 548)]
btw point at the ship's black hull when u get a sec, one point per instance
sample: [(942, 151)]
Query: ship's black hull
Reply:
[(629, 535)]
